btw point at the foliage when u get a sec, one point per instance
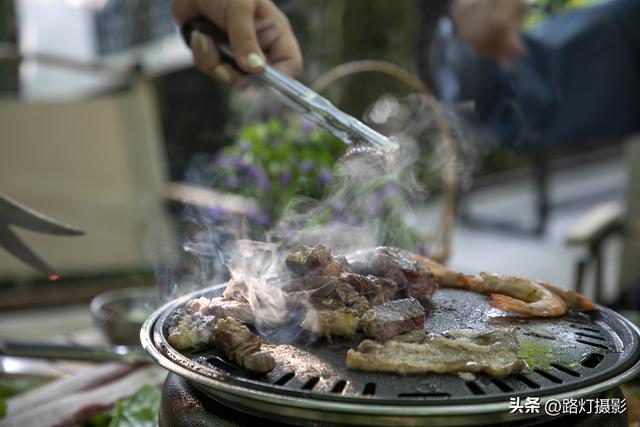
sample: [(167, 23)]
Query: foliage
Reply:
[(289, 168), (10, 387), (140, 410), (276, 160)]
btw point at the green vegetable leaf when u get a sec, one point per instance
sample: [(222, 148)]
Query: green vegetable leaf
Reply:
[(14, 387), (140, 410)]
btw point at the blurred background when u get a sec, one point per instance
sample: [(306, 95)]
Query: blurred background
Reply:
[(107, 126)]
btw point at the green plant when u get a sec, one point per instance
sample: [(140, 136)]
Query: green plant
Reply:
[(274, 161), (140, 410), (288, 167)]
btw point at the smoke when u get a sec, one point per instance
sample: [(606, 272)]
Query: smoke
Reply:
[(372, 201)]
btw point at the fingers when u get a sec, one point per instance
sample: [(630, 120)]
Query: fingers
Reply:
[(236, 18), (278, 40), (240, 18), (207, 59), (492, 27), (258, 33)]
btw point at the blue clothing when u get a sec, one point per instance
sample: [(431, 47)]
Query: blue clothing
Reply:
[(579, 82)]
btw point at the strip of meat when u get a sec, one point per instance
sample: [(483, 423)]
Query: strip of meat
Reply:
[(495, 353), (413, 279), (385, 321), (242, 346)]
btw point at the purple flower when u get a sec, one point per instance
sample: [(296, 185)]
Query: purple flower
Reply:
[(259, 216), (338, 207), (238, 163), (324, 176), (223, 161), (389, 191), (258, 176), (423, 249), (352, 220), (306, 125), (217, 213), (285, 178), (232, 181), (307, 165)]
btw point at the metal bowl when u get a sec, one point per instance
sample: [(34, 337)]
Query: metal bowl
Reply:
[(120, 313)]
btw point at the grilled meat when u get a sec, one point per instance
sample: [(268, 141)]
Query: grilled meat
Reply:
[(221, 308), (191, 326), (190, 329), (385, 321), (203, 322), (242, 346), (315, 261), (236, 290), (307, 283), (495, 353), (376, 290), (324, 323), (413, 279)]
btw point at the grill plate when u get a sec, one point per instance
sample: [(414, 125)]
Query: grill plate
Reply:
[(577, 355)]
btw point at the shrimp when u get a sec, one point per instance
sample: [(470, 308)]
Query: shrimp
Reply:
[(518, 295), (523, 296), (575, 301)]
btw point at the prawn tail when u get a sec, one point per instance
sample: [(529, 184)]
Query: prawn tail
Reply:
[(507, 303), (574, 300)]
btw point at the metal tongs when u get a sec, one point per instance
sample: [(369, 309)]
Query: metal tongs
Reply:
[(298, 96), (13, 213)]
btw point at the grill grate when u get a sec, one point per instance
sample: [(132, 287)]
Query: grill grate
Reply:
[(563, 355)]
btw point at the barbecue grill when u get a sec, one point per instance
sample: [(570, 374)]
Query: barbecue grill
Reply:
[(577, 356)]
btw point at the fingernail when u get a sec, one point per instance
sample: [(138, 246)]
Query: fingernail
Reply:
[(222, 72), (198, 38), (255, 61)]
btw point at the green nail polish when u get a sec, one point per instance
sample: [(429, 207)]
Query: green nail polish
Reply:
[(222, 72), (198, 38), (255, 61)]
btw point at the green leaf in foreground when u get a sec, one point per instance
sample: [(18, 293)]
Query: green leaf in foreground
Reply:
[(10, 387), (16, 386), (140, 410)]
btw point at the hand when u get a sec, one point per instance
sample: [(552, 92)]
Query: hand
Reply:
[(492, 27), (258, 31)]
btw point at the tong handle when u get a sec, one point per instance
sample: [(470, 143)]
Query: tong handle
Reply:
[(294, 94), (220, 38)]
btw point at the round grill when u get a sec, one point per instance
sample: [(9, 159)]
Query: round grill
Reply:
[(577, 355)]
